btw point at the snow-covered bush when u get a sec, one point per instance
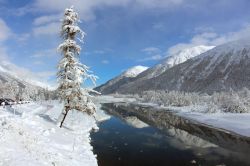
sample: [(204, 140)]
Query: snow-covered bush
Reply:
[(171, 98), (230, 102), (234, 102)]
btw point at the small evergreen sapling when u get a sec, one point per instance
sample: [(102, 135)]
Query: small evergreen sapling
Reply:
[(71, 73)]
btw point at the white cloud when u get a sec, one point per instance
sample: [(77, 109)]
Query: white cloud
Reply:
[(99, 52), (3, 53), (105, 62), (23, 37), (152, 58), (47, 25), (5, 31), (52, 28), (86, 7), (46, 74), (45, 53), (103, 51), (39, 78), (47, 19), (36, 78), (159, 3), (159, 26), (38, 62), (151, 50), (211, 39)]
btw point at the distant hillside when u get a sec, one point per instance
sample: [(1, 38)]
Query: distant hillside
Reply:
[(14, 87)]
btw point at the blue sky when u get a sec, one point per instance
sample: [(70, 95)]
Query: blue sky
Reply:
[(120, 33)]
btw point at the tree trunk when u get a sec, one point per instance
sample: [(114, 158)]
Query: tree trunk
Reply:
[(64, 116)]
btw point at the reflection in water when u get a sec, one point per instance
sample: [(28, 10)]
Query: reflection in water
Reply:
[(135, 122), (123, 140)]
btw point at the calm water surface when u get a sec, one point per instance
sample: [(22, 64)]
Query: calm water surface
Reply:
[(122, 143)]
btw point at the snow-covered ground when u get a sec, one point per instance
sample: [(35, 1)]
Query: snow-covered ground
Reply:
[(233, 122), (29, 136)]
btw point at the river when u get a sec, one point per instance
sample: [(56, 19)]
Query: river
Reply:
[(124, 140)]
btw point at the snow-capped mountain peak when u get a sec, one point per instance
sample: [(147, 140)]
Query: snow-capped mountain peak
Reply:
[(225, 56), (185, 54), (134, 71), (127, 76), (173, 60)]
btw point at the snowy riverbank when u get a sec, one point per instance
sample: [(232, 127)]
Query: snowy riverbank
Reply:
[(233, 122), (29, 136)]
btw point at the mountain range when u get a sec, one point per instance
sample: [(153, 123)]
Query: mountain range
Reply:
[(208, 69)]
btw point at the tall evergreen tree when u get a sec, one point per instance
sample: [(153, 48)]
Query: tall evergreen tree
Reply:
[(71, 73)]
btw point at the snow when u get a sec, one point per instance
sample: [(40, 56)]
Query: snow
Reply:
[(235, 50), (175, 59), (114, 84), (186, 54), (29, 136), (23, 74), (114, 99), (232, 122), (236, 45), (71, 73), (134, 71)]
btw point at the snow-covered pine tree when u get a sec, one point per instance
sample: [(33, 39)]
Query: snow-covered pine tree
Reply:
[(71, 73)]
